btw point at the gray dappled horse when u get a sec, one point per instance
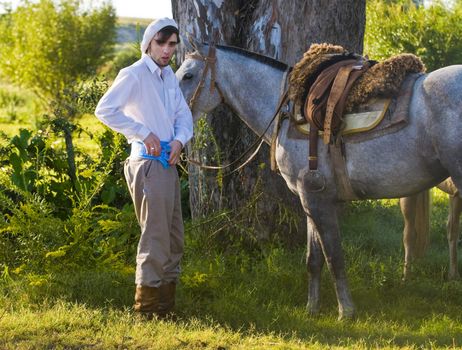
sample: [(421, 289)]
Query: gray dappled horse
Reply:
[(399, 164)]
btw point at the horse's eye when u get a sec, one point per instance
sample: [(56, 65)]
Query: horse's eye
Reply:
[(187, 76)]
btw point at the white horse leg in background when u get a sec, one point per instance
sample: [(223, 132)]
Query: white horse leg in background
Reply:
[(455, 209), (416, 215), (416, 232)]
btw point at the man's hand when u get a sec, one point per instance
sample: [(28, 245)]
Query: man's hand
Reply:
[(175, 151), (152, 144)]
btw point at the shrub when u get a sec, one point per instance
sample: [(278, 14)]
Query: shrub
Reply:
[(47, 46), (434, 33), (47, 223), (124, 57)]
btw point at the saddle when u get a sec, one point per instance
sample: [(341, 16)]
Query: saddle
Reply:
[(330, 81), (325, 103)]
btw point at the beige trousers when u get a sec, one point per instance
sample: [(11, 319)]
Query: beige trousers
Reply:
[(156, 195)]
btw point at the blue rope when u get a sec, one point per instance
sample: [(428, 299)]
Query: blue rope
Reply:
[(139, 150)]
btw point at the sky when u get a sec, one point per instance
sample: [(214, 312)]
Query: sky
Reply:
[(132, 8), (143, 8)]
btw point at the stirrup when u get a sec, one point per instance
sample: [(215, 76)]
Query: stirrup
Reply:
[(312, 180)]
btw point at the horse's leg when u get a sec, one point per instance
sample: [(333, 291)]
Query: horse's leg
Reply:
[(455, 209), (314, 262), (416, 233), (408, 209), (323, 215)]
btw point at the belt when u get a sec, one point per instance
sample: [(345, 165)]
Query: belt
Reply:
[(138, 150)]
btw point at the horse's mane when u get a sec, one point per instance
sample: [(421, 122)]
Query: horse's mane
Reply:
[(260, 58)]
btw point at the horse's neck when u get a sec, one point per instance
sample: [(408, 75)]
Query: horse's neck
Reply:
[(251, 88)]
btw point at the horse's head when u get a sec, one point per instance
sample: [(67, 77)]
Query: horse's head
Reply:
[(197, 77)]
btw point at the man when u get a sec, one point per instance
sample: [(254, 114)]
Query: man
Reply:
[(146, 105)]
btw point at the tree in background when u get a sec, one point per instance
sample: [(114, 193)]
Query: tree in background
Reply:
[(280, 29), (433, 33), (49, 47)]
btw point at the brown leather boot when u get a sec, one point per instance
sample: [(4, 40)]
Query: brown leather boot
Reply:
[(167, 299), (147, 301)]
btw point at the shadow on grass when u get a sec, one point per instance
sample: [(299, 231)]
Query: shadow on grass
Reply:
[(418, 313)]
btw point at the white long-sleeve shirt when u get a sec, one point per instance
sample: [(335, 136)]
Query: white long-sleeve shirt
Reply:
[(145, 98)]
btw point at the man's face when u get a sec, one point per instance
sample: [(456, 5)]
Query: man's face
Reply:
[(161, 52)]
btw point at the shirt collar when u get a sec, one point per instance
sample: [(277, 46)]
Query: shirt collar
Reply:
[(154, 68)]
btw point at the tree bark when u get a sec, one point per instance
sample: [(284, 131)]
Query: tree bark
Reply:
[(283, 30)]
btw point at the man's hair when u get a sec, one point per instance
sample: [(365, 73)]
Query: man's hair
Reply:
[(167, 32)]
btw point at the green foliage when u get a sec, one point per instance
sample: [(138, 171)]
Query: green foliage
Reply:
[(16, 107), (205, 148), (124, 57), (433, 33), (37, 163), (47, 46), (8, 98), (241, 229), (127, 51), (89, 93), (28, 230), (47, 220)]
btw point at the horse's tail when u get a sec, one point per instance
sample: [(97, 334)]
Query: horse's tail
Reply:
[(422, 223)]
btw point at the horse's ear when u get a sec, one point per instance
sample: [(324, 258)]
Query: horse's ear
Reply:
[(196, 45), (187, 44)]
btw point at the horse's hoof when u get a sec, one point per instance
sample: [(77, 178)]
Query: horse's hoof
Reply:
[(312, 309), (407, 274), (346, 314)]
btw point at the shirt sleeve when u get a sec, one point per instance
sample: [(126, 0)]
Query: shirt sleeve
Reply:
[(183, 118), (110, 108)]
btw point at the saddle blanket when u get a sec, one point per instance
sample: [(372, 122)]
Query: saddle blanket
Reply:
[(367, 117)]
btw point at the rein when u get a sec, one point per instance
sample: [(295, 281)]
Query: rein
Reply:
[(209, 64), (210, 61)]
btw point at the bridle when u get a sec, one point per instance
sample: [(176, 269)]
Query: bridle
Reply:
[(210, 61)]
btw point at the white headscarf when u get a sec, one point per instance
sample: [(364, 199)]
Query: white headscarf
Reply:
[(153, 28)]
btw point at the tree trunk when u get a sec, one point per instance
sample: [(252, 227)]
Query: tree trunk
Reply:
[(283, 30)]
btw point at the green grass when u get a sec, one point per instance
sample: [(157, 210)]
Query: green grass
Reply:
[(244, 299), (71, 326), (76, 326), (259, 311), (91, 126), (18, 109)]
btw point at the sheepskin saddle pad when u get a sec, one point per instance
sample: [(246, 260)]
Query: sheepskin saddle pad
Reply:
[(369, 97)]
